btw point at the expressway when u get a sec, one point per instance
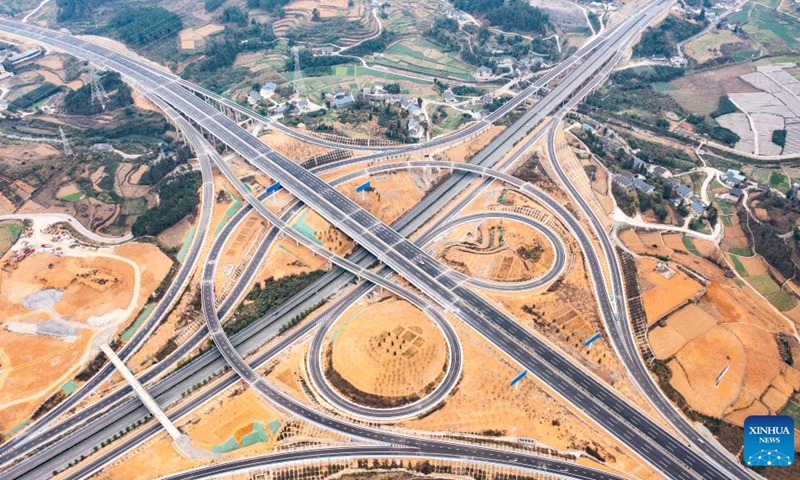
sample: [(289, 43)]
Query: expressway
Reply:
[(391, 441), (73, 400), (315, 357), (427, 275), (424, 272), (275, 460)]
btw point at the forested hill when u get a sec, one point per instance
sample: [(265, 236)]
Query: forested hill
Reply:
[(510, 15), (71, 10)]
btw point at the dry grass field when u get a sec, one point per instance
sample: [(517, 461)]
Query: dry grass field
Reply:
[(721, 349), (388, 348), (393, 194), (496, 250), (661, 295), (700, 92), (484, 401), (226, 417), (92, 290)]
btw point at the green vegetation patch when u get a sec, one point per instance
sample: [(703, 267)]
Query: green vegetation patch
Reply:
[(725, 107), (764, 284), (336, 333), (72, 197), (793, 410), (9, 234), (305, 229), (739, 267), (69, 387), (507, 14), (18, 428), (689, 244), (185, 247), (79, 102), (662, 40), (664, 87), (783, 301), (268, 295), (424, 57), (778, 32), (779, 182), (741, 251), (257, 435), (36, 95), (699, 226), (178, 195), (138, 322), (230, 445), (139, 27), (273, 426)]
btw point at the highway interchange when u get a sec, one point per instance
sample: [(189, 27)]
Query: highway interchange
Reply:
[(400, 256)]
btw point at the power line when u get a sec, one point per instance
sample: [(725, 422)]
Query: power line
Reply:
[(99, 94), (65, 143), (299, 87)]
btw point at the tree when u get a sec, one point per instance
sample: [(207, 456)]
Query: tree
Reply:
[(712, 215)]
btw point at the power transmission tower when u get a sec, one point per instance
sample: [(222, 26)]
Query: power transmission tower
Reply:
[(299, 88), (99, 94), (65, 142)]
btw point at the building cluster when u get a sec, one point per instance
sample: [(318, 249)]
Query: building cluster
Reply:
[(255, 97), (506, 64), (324, 51), (637, 179), (450, 11)]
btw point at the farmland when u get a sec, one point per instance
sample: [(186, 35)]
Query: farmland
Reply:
[(777, 32), (420, 56)]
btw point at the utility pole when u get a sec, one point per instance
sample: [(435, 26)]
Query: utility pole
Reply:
[(299, 88), (65, 143), (99, 94)]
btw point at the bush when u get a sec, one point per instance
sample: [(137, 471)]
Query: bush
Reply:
[(507, 14), (725, 107), (177, 198), (779, 137), (69, 10), (79, 102), (662, 40), (36, 95), (141, 26), (211, 5), (261, 300)]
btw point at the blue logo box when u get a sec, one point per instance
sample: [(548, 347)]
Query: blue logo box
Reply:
[(768, 441)]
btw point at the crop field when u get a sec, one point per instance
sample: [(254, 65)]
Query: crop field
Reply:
[(756, 174), (779, 182), (700, 92), (710, 46), (793, 410), (689, 244), (354, 77), (423, 57), (751, 268), (778, 32), (9, 233), (664, 87)]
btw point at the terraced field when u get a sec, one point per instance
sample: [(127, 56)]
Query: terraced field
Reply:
[(338, 24), (420, 56)]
